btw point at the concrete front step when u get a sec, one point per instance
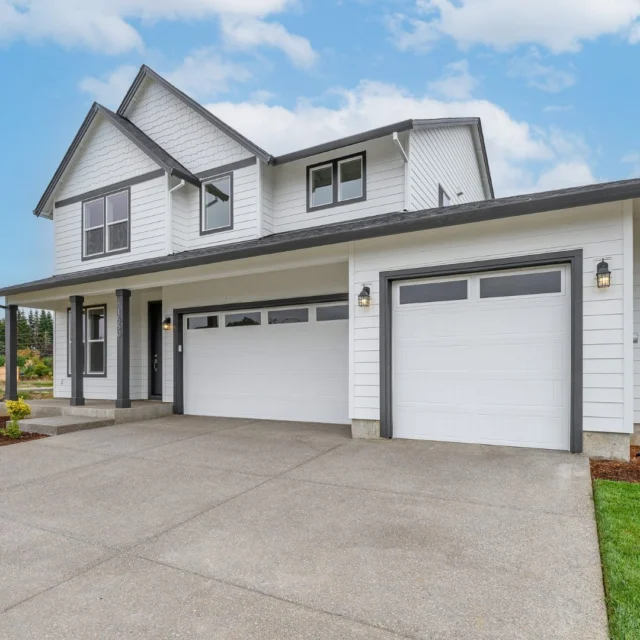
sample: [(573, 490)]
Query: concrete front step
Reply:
[(57, 425)]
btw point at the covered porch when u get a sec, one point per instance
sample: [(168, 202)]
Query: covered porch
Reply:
[(119, 342)]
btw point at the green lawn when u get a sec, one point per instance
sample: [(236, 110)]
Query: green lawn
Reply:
[(618, 515)]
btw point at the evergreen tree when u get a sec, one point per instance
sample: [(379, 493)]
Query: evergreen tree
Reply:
[(25, 336)]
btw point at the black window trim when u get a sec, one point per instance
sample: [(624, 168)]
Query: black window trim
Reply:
[(229, 227), (105, 253), (334, 164), (441, 195), (84, 322)]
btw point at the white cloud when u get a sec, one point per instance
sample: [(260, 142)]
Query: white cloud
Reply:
[(105, 25), (523, 158), (632, 159), (558, 25), (111, 89), (203, 73), (247, 33), (539, 75), (456, 83)]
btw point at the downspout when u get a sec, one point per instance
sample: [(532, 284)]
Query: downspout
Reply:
[(259, 222), (170, 190), (407, 168)]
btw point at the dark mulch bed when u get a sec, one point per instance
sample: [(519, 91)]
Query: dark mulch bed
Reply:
[(618, 469), (25, 437)]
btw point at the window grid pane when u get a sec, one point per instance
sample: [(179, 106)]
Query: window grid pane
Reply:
[(321, 186), (243, 319), (94, 214), (117, 207), (217, 203), (118, 236), (334, 312), (202, 322), (521, 284), (94, 241), (350, 178)]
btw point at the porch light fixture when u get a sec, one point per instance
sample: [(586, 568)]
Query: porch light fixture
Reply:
[(603, 275), (167, 325), (364, 299)]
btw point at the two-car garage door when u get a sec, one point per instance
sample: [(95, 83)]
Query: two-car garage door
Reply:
[(287, 363), (484, 358)]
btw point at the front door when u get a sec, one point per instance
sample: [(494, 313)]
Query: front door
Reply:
[(155, 350)]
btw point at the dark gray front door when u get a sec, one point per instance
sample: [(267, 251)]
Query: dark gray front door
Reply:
[(155, 350)]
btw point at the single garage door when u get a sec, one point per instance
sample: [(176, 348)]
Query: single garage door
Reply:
[(484, 358), (279, 364)]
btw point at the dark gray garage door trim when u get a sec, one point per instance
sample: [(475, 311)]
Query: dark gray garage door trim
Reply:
[(178, 333), (387, 278)]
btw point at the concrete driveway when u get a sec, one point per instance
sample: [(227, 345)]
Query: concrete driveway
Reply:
[(201, 528)]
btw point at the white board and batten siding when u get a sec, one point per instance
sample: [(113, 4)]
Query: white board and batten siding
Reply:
[(182, 132), (636, 314), (445, 156), (148, 230), (385, 180), (597, 230)]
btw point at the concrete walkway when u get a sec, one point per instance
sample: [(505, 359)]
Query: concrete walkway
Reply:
[(199, 528)]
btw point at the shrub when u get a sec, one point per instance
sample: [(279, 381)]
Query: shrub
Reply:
[(2, 361), (36, 369), (48, 360), (18, 409), (12, 430)]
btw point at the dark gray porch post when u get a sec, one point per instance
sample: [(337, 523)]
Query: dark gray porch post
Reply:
[(123, 329), (76, 345), (11, 356)]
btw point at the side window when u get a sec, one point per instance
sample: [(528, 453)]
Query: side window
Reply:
[(105, 225), (94, 339), (217, 204), (336, 182)]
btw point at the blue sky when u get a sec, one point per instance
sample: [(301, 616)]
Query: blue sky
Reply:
[(553, 80)]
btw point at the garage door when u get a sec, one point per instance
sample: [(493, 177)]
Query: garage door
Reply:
[(281, 364), (484, 358)]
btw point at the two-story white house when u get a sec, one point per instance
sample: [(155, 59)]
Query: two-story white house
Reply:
[(372, 281)]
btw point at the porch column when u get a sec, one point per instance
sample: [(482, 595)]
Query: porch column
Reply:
[(76, 345), (11, 356), (123, 329)]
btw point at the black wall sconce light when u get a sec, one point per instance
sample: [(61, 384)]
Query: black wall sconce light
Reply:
[(603, 275)]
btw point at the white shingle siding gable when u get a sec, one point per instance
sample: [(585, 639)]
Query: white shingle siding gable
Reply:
[(148, 232), (445, 156), (186, 225), (598, 230), (181, 131), (105, 157), (385, 187)]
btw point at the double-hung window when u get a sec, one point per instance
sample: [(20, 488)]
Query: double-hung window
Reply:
[(106, 224), (94, 339), (217, 204), (336, 182)]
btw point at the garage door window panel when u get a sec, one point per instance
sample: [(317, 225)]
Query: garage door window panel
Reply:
[(288, 316), (521, 284), (427, 292), (244, 319), (202, 322), (333, 312)]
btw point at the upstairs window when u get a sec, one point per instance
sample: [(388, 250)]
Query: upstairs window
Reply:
[(106, 225), (337, 182), (217, 204)]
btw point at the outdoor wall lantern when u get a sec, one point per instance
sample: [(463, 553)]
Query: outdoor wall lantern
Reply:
[(364, 299), (603, 275), (167, 324)]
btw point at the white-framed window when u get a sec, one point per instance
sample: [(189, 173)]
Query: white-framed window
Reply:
[(94, 340), (337, 182), (217, 204), (106, 224)]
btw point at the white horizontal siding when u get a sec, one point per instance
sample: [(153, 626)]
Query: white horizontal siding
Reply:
[(245, 194), (597, 230), (148, 234), (444, 156), (105, 157), (385, 181), (636, 318), (325, 279), (181, 131)]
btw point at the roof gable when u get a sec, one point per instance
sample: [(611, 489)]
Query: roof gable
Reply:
[(147, 73), (151, 150)]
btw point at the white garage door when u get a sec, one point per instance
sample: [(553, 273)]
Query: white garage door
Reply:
[(279, 364), (484, 358)]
